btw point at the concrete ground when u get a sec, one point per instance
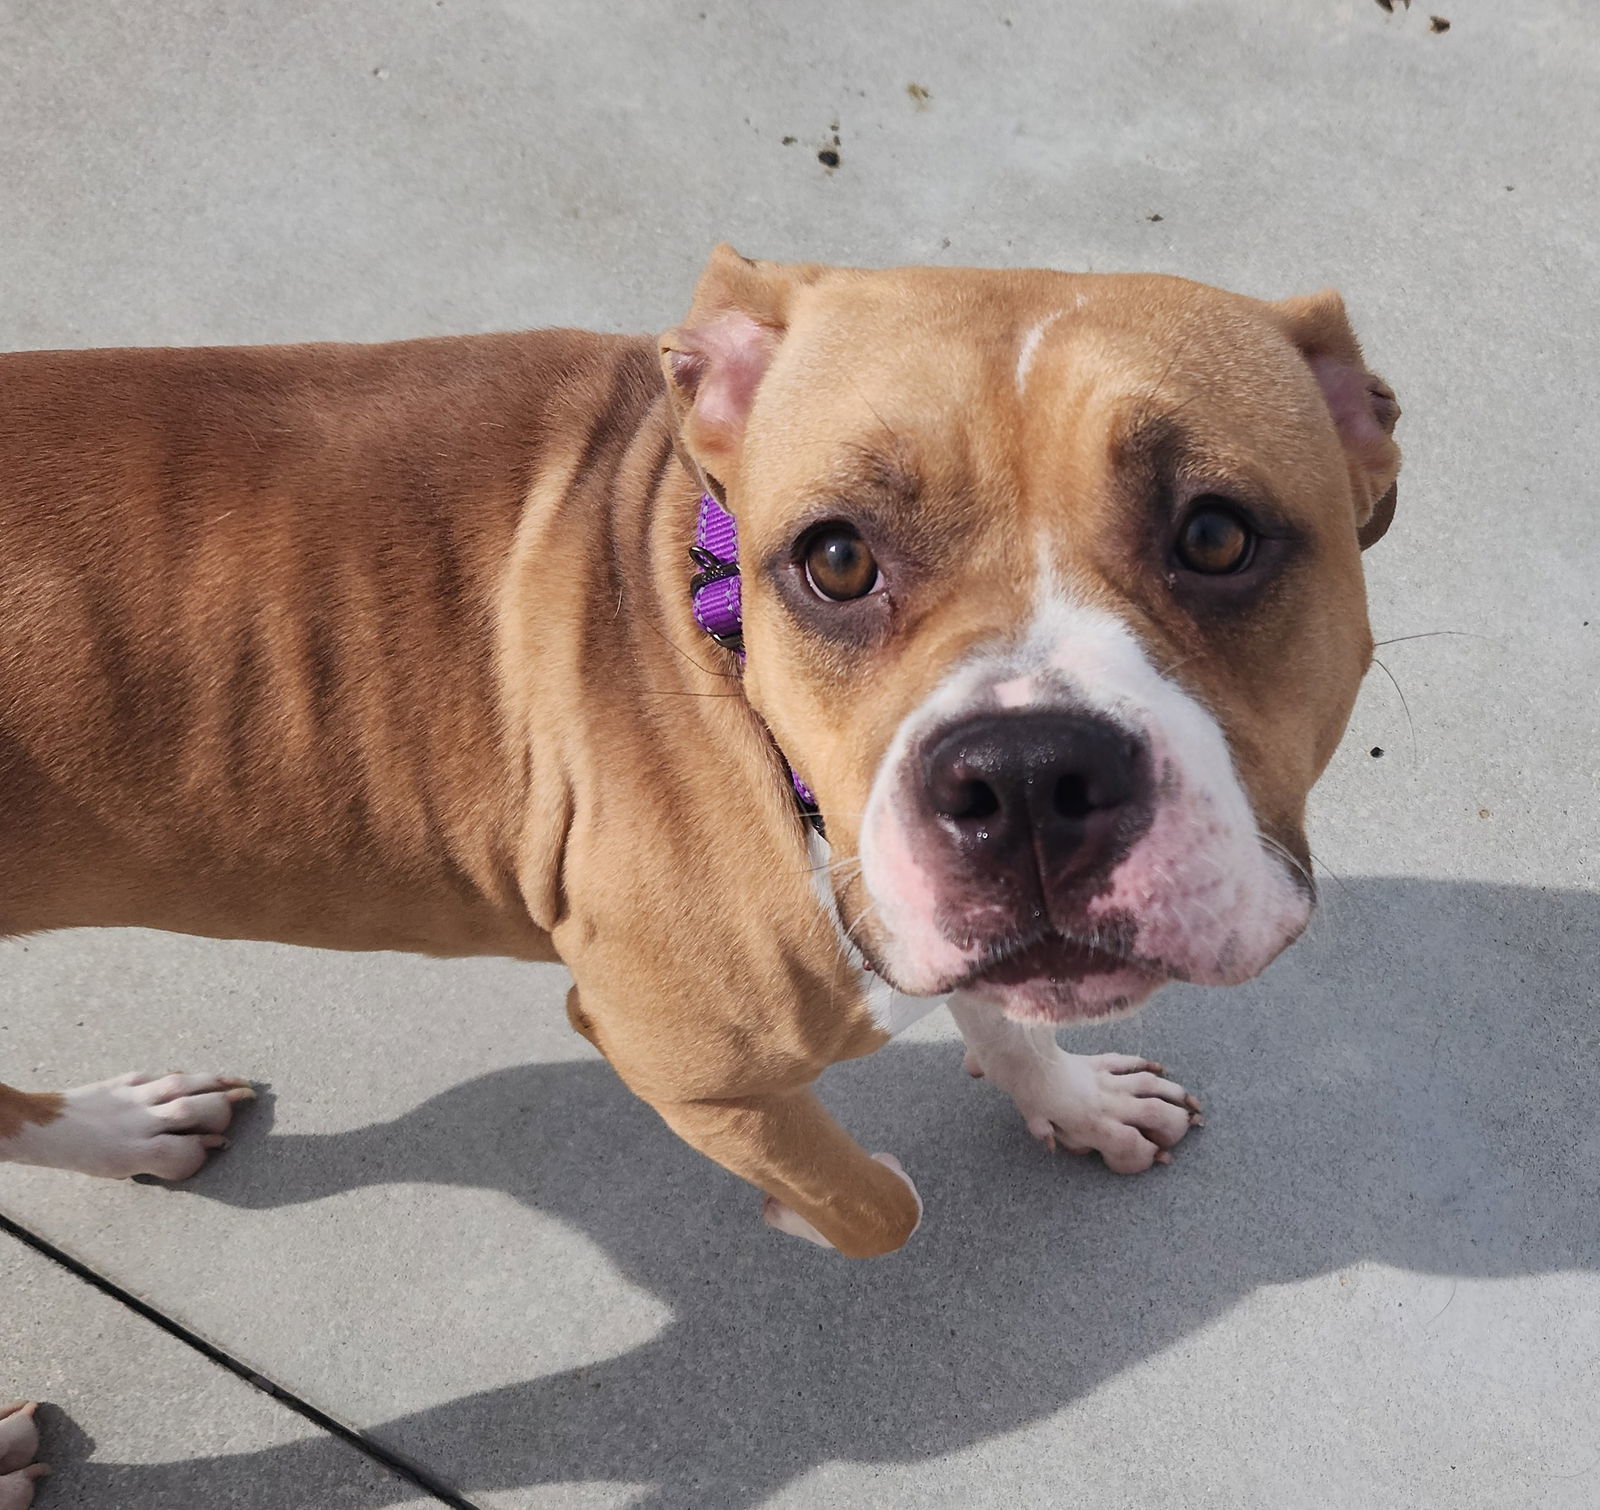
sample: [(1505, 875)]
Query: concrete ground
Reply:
[(1372, 1280)]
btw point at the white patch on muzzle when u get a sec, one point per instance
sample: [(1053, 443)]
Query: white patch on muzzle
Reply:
[(1207, 900), (893, 1011)]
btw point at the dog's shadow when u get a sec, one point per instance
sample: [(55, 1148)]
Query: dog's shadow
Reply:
[(1409, 1086)]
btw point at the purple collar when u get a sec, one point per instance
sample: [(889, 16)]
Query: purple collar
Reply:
[(718, 607)]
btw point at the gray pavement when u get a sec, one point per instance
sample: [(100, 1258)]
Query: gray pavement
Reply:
[(1371, 1280), (158, 1415)]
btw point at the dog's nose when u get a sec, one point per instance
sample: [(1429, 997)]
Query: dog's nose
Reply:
[(1056, 793)]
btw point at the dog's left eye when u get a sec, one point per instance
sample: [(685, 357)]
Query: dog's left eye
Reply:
[(839, 566), (1213, 540)]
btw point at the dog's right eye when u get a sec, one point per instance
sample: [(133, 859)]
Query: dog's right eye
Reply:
[(1214, 540), (839, 567)]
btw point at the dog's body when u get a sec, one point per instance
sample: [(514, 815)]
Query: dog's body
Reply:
[(421, 676), (392, 647)]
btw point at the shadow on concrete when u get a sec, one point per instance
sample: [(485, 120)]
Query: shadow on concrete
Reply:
[(1415, 1085)]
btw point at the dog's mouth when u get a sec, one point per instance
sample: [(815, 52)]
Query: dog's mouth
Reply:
[(1046, 954), (1056, 977), (1050, 956), (1046, 975)]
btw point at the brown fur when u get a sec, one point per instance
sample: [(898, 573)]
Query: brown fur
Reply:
[(20, 1109), (390, 647), (864, 374)]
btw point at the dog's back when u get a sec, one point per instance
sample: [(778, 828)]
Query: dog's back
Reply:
[(226, 579)]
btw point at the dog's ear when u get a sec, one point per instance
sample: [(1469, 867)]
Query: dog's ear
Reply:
[(1363, 406), (715, 360)]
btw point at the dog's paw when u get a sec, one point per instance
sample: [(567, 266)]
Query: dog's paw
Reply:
[(19, 1445), (778, 1216), (162, 1125), (1116, 1105)]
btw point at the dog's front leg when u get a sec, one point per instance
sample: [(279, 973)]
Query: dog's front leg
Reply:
[(820, 1183), (1117, 1105)]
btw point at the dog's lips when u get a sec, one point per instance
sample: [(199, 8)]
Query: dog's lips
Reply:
[(1053, 957), (1056, 978)]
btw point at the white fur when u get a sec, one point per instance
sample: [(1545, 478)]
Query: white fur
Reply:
[(891, 1010), (1117, 1105), (1211, 903), (1030, 348), (136, 1124), (1202, 868), (920, 958)]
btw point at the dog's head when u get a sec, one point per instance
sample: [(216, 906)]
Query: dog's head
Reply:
[(1053, 595)]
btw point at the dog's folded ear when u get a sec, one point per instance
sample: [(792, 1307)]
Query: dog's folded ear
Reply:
[(715, 360), (1363, 406)]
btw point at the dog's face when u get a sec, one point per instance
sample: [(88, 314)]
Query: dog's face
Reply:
[(1053, 595)]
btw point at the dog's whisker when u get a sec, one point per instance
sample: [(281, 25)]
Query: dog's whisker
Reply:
[(666, 639), (833, 867), (1403, 703), (1433, 634), (1288, 858), (1333, 875)]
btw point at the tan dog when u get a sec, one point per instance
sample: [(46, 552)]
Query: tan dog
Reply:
[(1051, 593)]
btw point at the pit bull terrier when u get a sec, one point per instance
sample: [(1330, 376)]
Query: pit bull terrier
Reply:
[(1039, 595)]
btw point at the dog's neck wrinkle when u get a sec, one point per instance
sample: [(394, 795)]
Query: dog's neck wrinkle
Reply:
[(643, 689)]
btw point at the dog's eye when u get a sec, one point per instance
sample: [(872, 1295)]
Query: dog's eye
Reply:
[(1214, 540), (838, 564)]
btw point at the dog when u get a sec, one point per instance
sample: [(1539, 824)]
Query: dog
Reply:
[(872, 637)]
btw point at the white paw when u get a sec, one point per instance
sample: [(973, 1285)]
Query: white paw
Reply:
[(1116, 1105), (19, 1443), (136, 1124), (775, 1214)]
